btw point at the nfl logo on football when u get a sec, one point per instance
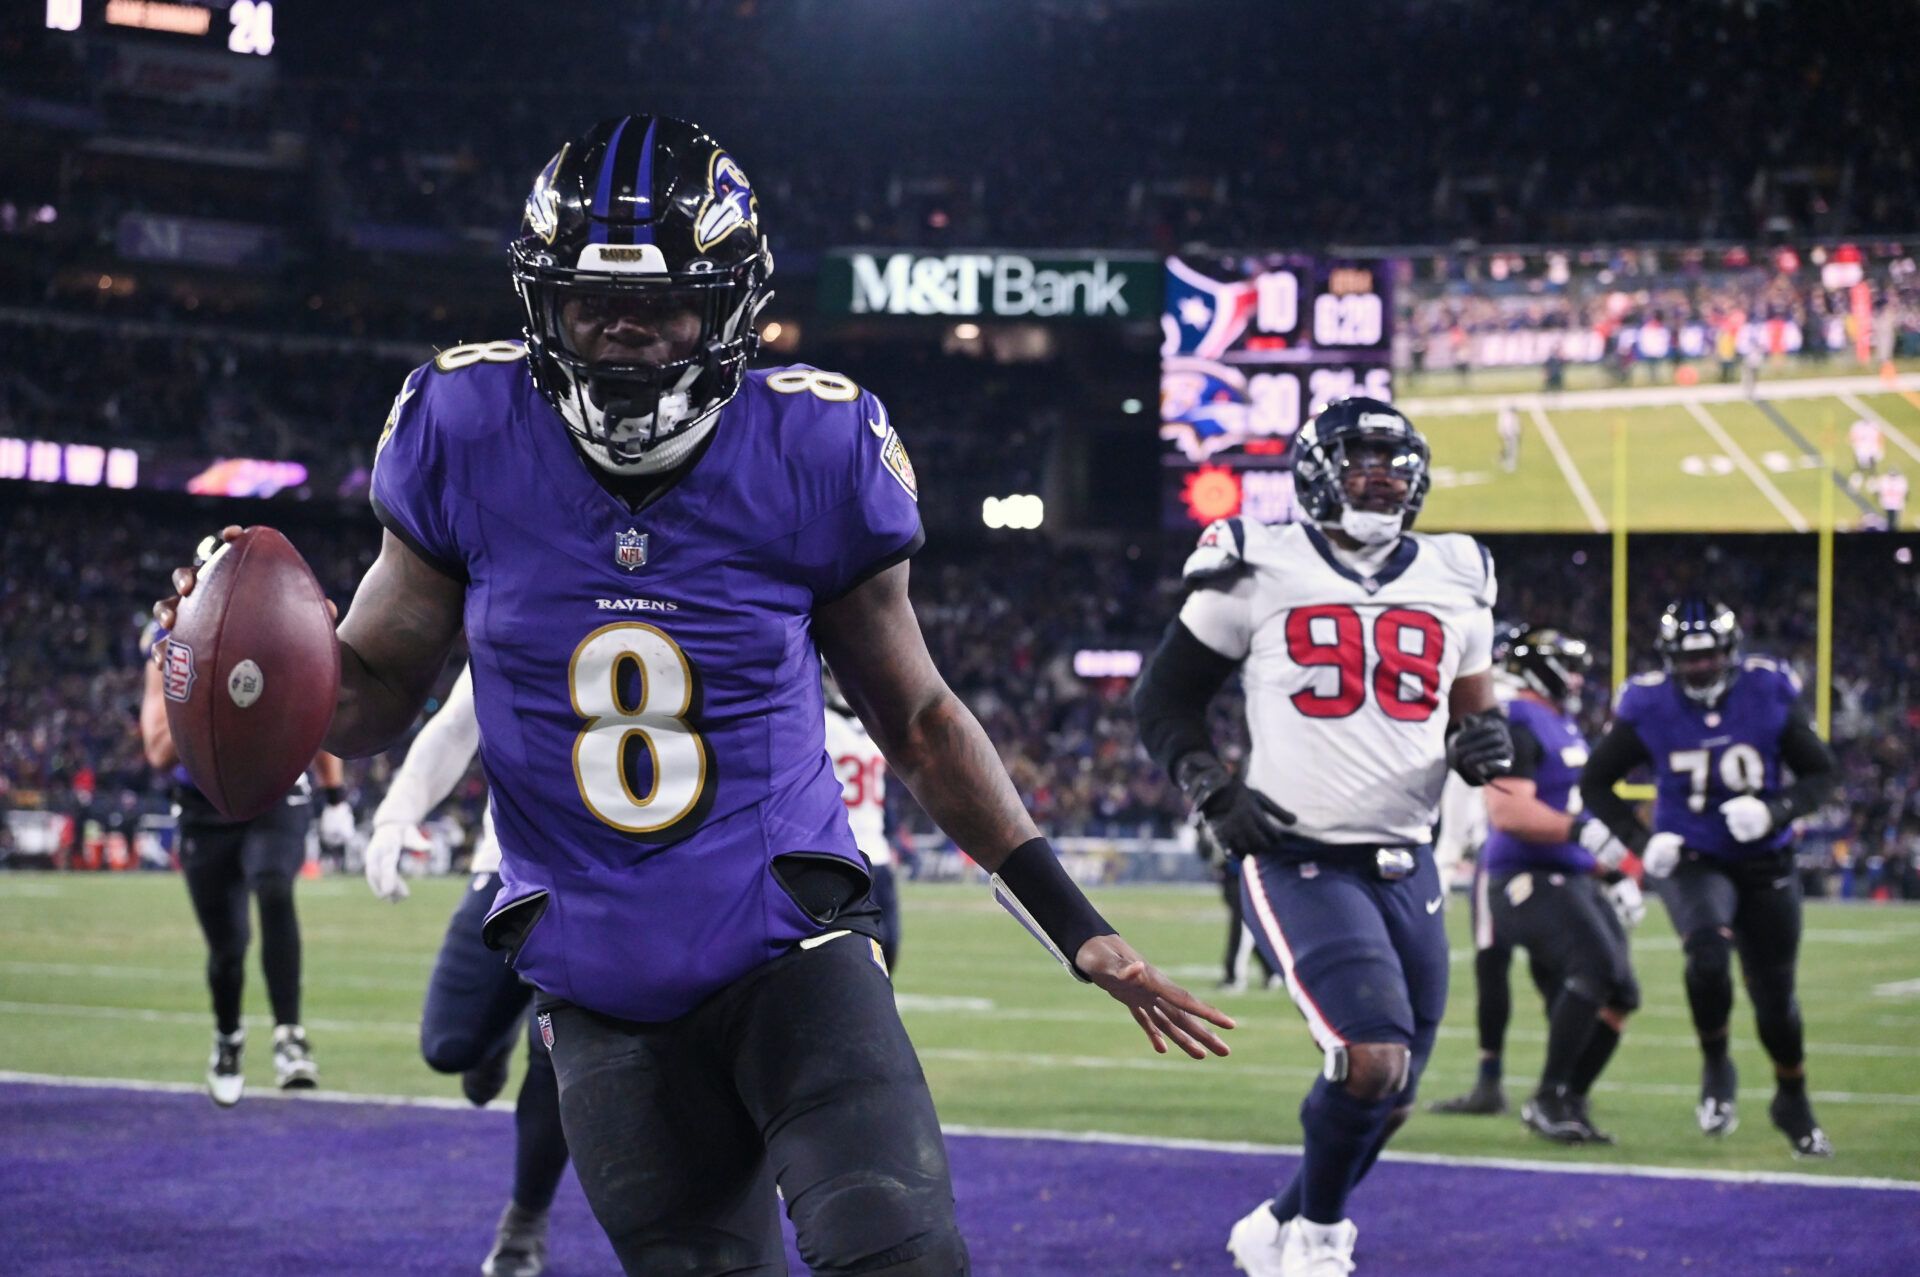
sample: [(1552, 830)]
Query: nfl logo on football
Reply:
[(630, 550)]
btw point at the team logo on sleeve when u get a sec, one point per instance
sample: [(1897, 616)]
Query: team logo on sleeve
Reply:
[(176, 671), (894, 453), (630, 549)]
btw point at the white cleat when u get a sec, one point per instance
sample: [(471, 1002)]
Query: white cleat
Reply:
[(1717, 1118), (225, 1079), (1257, 1242), (1318, 1250), (293, 1066)]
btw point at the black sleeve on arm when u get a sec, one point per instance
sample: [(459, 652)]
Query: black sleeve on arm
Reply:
[(1170, 700), (1619, 752), (1528, 752), (1813, 768)]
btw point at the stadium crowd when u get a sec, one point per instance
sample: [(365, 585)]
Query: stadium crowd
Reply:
[(1005, 633)]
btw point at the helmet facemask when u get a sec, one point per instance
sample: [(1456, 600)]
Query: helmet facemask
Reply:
[(1329, 457), (1700, 645)]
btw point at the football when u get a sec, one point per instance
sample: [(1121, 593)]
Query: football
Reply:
[(250, 673)]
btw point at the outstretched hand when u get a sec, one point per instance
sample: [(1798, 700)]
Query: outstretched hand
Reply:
[(1162, 1008)]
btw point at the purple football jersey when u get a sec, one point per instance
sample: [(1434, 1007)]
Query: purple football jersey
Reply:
[(647, 686), (1562, 751), (1702, 756)]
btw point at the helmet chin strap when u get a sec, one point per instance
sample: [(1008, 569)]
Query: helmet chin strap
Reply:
[(653, 460), (1371, 529)]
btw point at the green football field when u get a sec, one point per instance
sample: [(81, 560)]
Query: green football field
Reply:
[(101, 978), (1701, 458)]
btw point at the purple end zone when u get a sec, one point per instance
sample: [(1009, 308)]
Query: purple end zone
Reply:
[(99, 1181)]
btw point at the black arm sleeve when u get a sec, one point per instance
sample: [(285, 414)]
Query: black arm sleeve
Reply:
[(1619, 752), (1528, 752), (1813, 767), (1170, 700)]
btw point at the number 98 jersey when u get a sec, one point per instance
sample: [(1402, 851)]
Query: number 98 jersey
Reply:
[(1703, 755), (1346, 675), (646, 683)]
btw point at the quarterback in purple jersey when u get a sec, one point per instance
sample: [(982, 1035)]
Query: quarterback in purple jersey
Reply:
[(649, 547), (1720, 732)]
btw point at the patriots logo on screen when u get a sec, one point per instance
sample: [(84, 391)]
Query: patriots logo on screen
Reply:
[(1203, 406), (1203, 316), (176, 671), (730, 203), (630, 549)]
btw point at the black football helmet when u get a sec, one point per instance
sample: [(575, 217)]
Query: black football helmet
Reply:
[(1547, 662), (641, 213), (1348, 434), (1700, 645)]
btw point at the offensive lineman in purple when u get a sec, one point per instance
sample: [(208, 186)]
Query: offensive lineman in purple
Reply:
[(649, 549)]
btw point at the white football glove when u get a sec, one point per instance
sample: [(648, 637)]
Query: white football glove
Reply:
[(1628, 904), (384, 846), (1747, 817), (1593, 835), (336, 824), (1662, 855)]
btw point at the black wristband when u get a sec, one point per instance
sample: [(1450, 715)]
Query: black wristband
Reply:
[(1039, 882), (334, 794), (1200, 776)]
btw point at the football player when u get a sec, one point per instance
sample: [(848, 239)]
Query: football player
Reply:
[(862, 770), (1719, 731), (225, 862), (1541, 862), (476, 1005), (1366, 655), (650, 547)]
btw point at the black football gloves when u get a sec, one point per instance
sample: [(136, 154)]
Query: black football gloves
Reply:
[(1244, 821), (1481, 747)]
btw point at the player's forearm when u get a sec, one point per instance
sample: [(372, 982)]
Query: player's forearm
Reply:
[(1170, 700), (944, 758), (1814, 768), (1618, 753), (1512, 810), (372, 712), (394, 641)]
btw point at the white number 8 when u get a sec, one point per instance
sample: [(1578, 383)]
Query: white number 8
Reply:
[(830, 386), (454, 358), (678, 753)]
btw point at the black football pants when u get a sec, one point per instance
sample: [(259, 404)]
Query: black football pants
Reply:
[(799, 1074), (223, 864)]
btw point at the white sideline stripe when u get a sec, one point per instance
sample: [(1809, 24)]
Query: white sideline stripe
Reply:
[(1856, 404), (147, 1015), (1649, 396), (1897, 989), (1064, 1137), (1753, 472), (188, 976), (1588, 505)]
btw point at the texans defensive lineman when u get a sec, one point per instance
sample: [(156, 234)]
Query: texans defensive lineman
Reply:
[(475, 1003), (862, 770), (650, 548), (1544, 863), (1366, 654), (1719, 732)]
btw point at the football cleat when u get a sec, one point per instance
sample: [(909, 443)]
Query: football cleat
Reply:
[(1318, 1250), (1552, 1115), (520, 1246), (225, 1080), (1258, 1241), (488, 1078), (293, 1066), (1718, 1084), (1793, 1115), (1484, 1100), (1589, 1133)]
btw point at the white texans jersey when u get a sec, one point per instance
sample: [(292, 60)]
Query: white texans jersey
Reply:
[(1346, 674), (863, 783)]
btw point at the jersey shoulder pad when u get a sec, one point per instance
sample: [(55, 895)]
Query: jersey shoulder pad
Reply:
[(1463, 559), (1778, 676), (1637, 693), (1219, 556), (467, 384)]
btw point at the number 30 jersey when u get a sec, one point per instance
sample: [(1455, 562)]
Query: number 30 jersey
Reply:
[(647, 688), (1346, 675)]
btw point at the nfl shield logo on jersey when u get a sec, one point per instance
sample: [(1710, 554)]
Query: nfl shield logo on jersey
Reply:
[(630, 549)]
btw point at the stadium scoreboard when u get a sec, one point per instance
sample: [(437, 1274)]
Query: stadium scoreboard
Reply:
[(1252, 345), (236, 26)]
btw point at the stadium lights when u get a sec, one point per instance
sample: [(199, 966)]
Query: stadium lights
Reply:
[(966, 332), (1131, 406), (1023, 511), (772, 331)]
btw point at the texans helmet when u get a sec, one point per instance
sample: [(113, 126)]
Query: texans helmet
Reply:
[(1352, 434), (642, 214), (1548, 663), (1699, 643)]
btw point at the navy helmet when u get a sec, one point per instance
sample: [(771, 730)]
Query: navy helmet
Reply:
[(1546, 660), (641, 213), (1699, 643), (1348, 434)]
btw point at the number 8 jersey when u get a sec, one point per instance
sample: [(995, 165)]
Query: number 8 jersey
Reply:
[(1346, 675), (646, 684)]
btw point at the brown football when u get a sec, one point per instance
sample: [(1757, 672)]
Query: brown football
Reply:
[(251, 672)]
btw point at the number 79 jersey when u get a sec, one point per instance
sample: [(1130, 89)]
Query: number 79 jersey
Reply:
[(1346, 676)]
